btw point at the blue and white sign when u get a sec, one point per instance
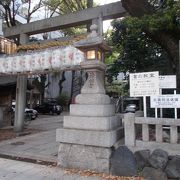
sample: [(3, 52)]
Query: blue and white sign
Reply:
[(165, 101)]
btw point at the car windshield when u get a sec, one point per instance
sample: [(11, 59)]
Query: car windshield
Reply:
[(131, 106)]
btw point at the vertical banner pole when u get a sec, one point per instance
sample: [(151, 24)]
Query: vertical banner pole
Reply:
[(175, 109), (144, 105), (161, 110), (156, 114)]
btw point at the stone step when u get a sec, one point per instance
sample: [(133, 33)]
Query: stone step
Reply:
[(92, 99), (92, 110), (89, 137), (91, 123)]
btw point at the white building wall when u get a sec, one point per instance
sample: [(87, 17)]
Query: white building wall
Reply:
[(52, 91)]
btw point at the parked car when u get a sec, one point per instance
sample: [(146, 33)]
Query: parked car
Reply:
[(49, 108), (131, 108)]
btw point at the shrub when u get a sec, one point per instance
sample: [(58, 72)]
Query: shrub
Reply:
[(63, 99)]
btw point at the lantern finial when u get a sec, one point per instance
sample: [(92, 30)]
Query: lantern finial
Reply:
[(93, 29)]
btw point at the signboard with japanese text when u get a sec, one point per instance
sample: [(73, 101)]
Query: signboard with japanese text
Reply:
[(167, 82), (144, 84), (165, 101)]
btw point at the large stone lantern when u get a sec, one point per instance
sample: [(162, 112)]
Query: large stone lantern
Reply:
[(91, 130)]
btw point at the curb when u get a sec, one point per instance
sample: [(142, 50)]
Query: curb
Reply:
[(30, 160)]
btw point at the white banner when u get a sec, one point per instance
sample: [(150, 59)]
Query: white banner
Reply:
[(38, 61), (167, 82), (165, 101), (144, 84)]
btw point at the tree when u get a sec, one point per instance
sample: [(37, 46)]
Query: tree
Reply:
[(62, 7), (40, 82), (137, 52), (160, 21), (10, 8)]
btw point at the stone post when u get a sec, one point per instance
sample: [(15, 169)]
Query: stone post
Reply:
[(21, 88), (99, 22), (129, 129)]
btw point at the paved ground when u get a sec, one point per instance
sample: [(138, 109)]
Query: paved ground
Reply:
[(18, 170), (38, 146)]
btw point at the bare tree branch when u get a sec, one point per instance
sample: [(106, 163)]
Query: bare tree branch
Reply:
[(36, 7)]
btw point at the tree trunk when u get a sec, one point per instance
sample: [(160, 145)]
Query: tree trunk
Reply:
[(61, 82)]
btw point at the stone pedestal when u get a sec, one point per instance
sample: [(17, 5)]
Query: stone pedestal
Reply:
[(91, 129)]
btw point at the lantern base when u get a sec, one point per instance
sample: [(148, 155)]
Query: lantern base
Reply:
[(84, 157)]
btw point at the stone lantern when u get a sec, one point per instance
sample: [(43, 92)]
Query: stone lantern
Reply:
[(91, 131), (94, 47)]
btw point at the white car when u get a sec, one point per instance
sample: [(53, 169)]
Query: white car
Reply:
[(131, 108)]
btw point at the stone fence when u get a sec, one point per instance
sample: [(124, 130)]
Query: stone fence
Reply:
[(151, 133)]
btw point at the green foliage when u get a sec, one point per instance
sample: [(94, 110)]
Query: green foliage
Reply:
[(139, 52), (68, 6), (116, 88), (74, 31), (115, 52), (63, 99), (166, 17)]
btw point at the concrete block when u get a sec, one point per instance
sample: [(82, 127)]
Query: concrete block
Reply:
[(92, 110), (91, 123), (84, 157), (92, 99), (88, 137)]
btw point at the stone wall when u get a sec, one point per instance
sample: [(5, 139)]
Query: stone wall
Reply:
[(155, 165)]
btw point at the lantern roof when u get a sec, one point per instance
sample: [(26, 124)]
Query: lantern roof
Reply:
[(92, 41)]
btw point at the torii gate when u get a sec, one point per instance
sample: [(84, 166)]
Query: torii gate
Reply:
[(104, 132), (92, 15)]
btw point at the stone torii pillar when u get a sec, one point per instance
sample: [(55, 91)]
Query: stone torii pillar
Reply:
[(21, 87), (91, 130)]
